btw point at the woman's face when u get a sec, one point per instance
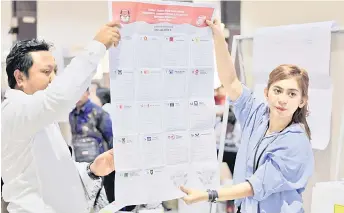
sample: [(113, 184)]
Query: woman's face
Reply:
[(284, 98)]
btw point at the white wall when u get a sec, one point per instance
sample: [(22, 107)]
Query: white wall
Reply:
[(6, 39), (6, 14), (256, 14), (73, 29), (76, 26), (68, 31)]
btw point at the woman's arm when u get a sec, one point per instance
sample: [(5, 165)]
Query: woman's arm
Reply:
[(238, 191), (225, 66), (245, 105), (234, 192)]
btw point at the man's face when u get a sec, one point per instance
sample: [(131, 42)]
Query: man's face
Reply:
[(93, 89), (41, 73)]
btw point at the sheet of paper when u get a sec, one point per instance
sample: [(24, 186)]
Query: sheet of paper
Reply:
[(201, 51), (307, 46), (205, 176), (125, 114), (163, 183), (200, 81), (149, 84), (123, 82), (126, 54), (149, 117), (174, 52), (175, 115), (321, 134), (177, 145), (148, 51), (202, 146), (334, 196), (202, 114), (175, 82), (152, 150), (162, 82), (130, 187), (127, 150)]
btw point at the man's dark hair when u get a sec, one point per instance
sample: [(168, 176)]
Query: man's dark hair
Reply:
[(104, 95), (19, 57)]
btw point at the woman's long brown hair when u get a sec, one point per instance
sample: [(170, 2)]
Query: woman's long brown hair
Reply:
[(287, 71)]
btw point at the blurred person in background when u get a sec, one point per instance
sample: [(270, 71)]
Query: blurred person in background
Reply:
[(94, 86), (104, 96), (232, 139), (91, 129), (36, 164), (93, 93)]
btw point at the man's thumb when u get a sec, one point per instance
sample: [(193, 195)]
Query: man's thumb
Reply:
[(210, 23)]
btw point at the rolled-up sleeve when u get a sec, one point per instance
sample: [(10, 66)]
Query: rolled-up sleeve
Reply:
[(287, 165), (92, 188), (246, 106)]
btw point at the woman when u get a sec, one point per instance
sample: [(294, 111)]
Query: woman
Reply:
[(275, 158)]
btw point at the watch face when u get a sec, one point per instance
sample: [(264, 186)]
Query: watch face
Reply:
[(90, 173)]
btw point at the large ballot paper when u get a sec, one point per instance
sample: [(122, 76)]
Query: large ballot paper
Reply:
[(162, 97)]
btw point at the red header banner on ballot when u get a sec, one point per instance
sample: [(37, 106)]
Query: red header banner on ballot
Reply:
[(130, 12)]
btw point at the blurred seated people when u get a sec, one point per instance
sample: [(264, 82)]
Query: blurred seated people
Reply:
[(91, 129), (232, 139)]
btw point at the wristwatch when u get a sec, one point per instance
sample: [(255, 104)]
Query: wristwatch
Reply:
[(213, 196), (90, 173)]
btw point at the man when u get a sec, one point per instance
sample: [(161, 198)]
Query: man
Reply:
[(93, 92), (91, 129), (38, 173), (105, 99)]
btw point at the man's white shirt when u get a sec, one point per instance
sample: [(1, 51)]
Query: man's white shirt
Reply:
[(38, 172)]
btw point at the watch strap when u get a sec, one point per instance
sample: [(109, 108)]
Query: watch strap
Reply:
[(90, 173)]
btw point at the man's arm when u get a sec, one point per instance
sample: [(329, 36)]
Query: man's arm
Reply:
[(32, 112)]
